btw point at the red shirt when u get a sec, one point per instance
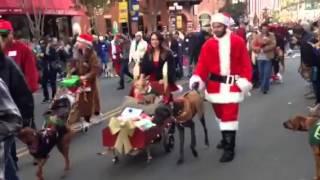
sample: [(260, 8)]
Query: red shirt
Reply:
[(25, 59), (242, 33)]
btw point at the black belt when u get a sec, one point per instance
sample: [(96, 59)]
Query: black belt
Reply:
[(230, 79)]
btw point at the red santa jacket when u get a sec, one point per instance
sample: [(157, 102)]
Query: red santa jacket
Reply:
[(25, 59), (224, 56)]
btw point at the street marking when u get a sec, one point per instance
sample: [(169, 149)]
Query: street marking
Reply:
[(21, 152)]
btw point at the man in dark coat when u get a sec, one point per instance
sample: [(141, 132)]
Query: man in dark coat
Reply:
[(309, 57), (19, 90), (10, 123), (198, 39)]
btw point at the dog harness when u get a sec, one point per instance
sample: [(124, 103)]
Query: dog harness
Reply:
[(48, 138), (314, 134)]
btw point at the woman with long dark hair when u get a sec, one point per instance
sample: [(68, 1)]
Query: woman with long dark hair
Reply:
[(159, 64)]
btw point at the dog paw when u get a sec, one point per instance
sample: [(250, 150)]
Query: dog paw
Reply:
[(180, 161), (207, 143), (316, 178), (149, 159), (115, 160), (63, 176), (194, 153)]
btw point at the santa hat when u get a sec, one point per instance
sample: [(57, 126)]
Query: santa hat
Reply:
[(222, 18), (5, 26), (86, 39)]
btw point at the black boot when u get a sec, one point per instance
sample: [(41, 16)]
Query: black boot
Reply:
[(222, 142), (230, 140)]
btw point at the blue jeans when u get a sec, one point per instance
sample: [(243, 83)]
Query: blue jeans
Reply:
[(265, 72), (315, 79), (10, 170)]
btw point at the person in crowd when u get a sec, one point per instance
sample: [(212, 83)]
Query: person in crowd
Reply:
[(264, 45), (11, 121), (21, 54), (125, 46), (309, 58), (87, 67), (255, 77), (138, 48), (199, 39), (241, 31), (102, 52), (116, 53), (227, 79), (157, 61), (26, 61), (50, 68), (12, 76), (173, 45)]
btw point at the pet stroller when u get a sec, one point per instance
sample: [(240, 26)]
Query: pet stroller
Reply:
[(61, 106), (135, 129)]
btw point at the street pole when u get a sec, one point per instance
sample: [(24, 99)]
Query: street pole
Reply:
[(129, 17)]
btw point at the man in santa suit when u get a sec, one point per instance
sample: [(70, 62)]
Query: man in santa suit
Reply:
[(224, 68)]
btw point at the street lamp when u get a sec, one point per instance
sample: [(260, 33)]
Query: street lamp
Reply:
[(175, 8)]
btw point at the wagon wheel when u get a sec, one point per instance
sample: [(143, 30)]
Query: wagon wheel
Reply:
[(168, 140)]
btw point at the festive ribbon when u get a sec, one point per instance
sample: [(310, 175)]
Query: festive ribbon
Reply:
[(125, 129)]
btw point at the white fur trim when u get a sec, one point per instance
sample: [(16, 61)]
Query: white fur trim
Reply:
[(165, 74), (196, 79), (224, 53), (225, 97), (84, 41), (180, 89), (244, 85), (220, 18), (229, 126), (223, 19)]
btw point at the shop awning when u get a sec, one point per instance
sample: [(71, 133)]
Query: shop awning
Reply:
[(50, 7)]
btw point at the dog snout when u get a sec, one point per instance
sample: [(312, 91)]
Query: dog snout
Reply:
[(285, 125)]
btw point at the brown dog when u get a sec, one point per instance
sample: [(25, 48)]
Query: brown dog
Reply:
[(310, 124), (185, 109), (40, 143)]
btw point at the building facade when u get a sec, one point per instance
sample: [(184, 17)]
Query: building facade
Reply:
[(155, 15), (62, 18), (295, 10)]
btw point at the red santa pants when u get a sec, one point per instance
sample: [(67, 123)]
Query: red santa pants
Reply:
[(227, 116)]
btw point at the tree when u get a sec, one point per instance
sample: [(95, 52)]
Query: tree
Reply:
[(35, 12), (236, 10), (95, 8)]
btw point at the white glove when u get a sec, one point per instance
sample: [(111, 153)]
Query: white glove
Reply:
[(244, 85), (196, 79)]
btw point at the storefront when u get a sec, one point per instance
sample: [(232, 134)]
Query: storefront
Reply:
[(62, 18)]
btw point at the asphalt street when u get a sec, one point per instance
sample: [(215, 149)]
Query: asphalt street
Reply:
[(265, 150)]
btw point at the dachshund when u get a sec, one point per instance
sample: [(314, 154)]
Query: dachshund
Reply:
[(311, 125)]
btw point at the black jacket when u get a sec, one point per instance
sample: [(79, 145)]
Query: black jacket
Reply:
[(147, 66), (14, 79), (10, 118), (308, 57)]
